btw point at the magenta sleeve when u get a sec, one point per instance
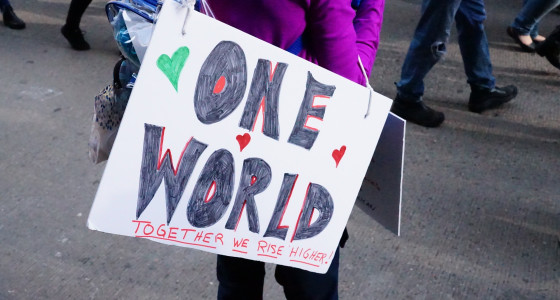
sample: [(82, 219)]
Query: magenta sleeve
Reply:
[(338, 34), (367, 25), (333, 33)]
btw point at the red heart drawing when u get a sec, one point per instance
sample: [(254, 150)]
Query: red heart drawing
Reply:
[(243, 140), (338, 154)]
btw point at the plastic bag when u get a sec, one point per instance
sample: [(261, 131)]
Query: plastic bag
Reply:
[(132, 23), (109, 108), (132, 34)]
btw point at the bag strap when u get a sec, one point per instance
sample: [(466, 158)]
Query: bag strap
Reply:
[(116, 70)]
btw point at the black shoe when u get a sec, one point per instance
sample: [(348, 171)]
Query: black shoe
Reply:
[(550, 48), (11, 20), (417, 112), (75, 37), (482, 99), (514, 34)]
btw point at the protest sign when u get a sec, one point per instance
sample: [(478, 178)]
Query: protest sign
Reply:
[(381, 193), (233, 146)]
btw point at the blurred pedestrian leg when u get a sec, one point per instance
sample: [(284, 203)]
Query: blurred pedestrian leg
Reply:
[(9, 17), (71, 30), (550, 48), (524, 29), (427, 48)]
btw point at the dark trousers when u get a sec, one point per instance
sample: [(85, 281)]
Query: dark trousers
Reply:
[(243, 279), (75, 12)]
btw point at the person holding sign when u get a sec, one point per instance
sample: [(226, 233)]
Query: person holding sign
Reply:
[(333, 35)]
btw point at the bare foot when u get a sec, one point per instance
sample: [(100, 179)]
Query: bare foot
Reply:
[(539, 38), (526, 39)]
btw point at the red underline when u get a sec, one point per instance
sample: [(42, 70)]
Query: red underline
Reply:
[(244, 252), (267, 255), (299, 261), (160, 238)]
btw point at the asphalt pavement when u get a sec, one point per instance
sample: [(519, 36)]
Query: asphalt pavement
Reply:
[(481, 194)]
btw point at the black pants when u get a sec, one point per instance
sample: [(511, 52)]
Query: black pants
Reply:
[(243, 279), (75, 13)]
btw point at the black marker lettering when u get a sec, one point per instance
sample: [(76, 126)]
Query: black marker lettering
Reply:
[(255, 178), (301, 135), (264, 92), (226, 63), (153, 171), (318, 198), (218, 172)]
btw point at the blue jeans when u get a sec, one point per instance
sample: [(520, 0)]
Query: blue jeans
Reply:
[(432, 34), (243, 279), (528, 19)]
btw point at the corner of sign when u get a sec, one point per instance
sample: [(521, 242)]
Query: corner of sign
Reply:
[(91, 226)]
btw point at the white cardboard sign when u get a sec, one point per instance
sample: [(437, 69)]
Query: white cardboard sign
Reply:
[(233, 146)]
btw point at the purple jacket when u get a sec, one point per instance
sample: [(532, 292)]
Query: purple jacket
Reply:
[(333, 33)]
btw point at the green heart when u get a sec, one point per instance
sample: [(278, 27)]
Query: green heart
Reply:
[(172, 67)]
